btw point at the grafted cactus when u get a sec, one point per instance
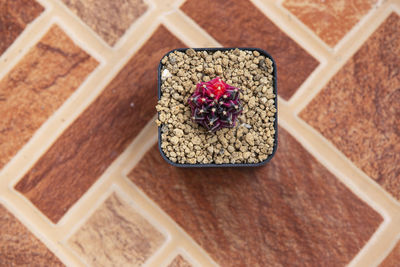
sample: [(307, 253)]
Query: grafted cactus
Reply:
[(215, 105)]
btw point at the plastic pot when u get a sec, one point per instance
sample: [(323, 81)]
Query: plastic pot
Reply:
[(198, 165)]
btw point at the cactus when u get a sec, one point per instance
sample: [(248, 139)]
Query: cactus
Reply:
[(215, 105)]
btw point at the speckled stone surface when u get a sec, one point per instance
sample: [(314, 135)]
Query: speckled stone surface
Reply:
[(330, 19), (109, 19), (238, 23), (37, 86), (100, 134), (290, 211), (14, 17), (19, 247), (393, 259), (179, 261), (116, 235), (359, 109)]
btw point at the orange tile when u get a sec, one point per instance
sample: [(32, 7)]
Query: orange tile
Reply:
[(329, 19), (179, 261), (37, 86), (116, 235), (109, 19), (291, 211), (393, 259), (19, 247), (101, 133), (359, 109), (239, 23), (14, 17)]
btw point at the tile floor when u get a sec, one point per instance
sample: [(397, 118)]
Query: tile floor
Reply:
[(83, 184)]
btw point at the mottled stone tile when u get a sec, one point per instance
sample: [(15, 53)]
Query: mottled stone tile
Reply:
[(37, 86), (109, 19), (14, 17), (239, 23), (393, 259), (19, 247), (100, 134), (359, 109), (330, 19), (288, 212), (179, 261), (116, 235)]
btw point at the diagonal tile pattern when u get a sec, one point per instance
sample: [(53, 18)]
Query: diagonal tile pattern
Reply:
[(116, 235), (359, 109), (37, 86), (227, 22), (19, 247), (109, 19), (179, 261), (14, 17), (100, 134), (291, 211), (330, 19)]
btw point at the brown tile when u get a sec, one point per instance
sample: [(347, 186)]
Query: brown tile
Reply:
[(109, 19), (239, 23), (14, 16), (19, 247), (288, 212), (393, 259), (116, 235), (179, 261), (330, 19), (37, 86), (359, 109), (100, 134)]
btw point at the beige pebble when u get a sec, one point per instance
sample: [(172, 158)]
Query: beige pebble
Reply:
[(175, 140), (250, 139)]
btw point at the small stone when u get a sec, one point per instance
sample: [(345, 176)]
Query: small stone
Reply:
[(178, 132), (218, 69), (217, 54), (250, 139), (256, 53), (174, 140), (209, 59), (165, 75), (199, 68), (196, 140), (246, 155), (210, 149), (190, 52), (231, 149)]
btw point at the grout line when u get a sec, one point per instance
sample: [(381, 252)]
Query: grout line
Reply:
[(188, 31), (337, 163), (294, 29), (178, 251), (32, 219), (379, 246), (176, 232), (343, 53), (24, 42)]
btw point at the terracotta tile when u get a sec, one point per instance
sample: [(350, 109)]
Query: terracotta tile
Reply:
[(393, 259), (359, 109), (179, 261), (239, 23), (288, 212), (19, 247), (85, 150), (14, 16), (37, 86), (109, 19), (116, 235), (330, 19)]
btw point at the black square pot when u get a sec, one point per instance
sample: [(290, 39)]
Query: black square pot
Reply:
[(262, 52)]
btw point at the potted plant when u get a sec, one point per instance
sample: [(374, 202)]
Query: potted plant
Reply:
[(217, 107)]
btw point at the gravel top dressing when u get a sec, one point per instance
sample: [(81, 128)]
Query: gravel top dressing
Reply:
[(252, 137)]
